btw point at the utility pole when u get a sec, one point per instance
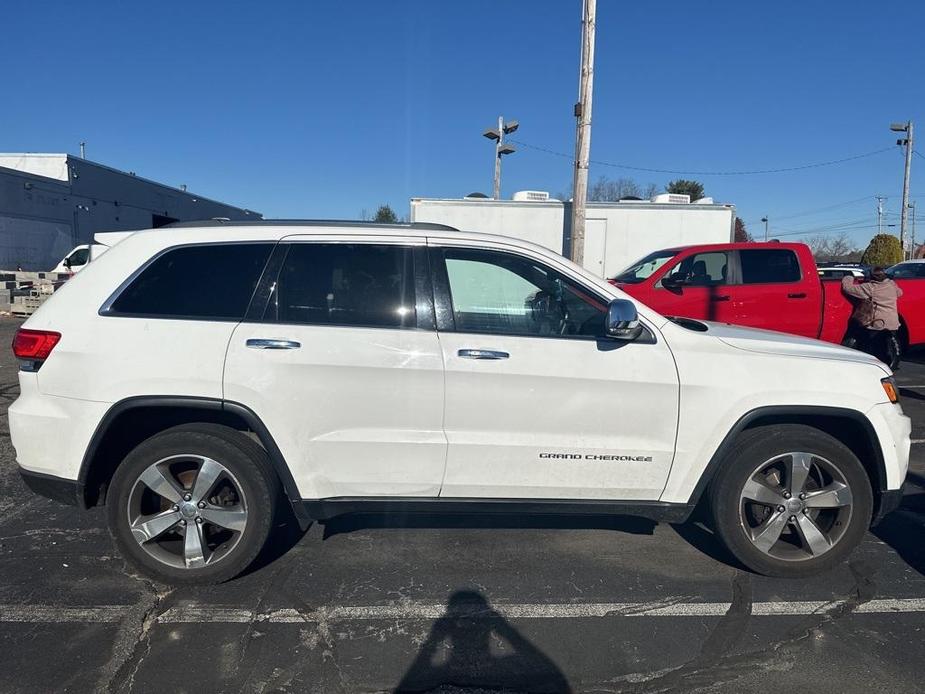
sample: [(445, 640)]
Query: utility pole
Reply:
[(908, 142), (765, 220), (912, 244), (500, 148), (583, 131), (880, 199)]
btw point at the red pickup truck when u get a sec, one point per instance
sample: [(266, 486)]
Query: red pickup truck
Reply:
[(775, 286)]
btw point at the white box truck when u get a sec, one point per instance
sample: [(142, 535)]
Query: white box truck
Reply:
[(616, 233)]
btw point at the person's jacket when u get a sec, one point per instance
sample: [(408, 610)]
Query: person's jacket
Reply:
[(877, 308)]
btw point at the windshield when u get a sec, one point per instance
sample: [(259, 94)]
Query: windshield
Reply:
[(641, 270)]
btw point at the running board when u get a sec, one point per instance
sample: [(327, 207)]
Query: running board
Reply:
[(323, 509)]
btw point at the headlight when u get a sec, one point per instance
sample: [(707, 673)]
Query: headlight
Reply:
[(889, 387)]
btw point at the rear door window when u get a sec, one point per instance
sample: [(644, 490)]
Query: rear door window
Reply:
[(358, 285), (768, 266), (214, 281)]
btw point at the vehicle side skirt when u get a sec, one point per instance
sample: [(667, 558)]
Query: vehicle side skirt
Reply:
[(323, 509)]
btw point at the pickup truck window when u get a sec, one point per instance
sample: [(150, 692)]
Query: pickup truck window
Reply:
[(702, 269), (767, 266), (506, 294)]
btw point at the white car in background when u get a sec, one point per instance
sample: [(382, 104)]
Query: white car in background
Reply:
[(81, 256), (836, 272), (195, 378)]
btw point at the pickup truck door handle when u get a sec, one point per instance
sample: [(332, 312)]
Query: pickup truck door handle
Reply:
[(797, 295), (720, 297), (482, 354), (260, 343)]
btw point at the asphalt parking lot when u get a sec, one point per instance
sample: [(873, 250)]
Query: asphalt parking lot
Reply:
[(453, 604)]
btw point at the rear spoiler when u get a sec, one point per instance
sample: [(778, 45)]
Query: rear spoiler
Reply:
[(111, 238)]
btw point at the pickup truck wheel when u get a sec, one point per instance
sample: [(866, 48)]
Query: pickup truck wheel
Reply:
[(790, 500), (193, 504)]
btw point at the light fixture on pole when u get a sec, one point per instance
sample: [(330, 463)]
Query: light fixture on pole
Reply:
[(500, 147), (765, 220), (908, 142)]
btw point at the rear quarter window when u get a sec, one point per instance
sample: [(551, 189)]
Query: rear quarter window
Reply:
[(768, 266), (213, 281)]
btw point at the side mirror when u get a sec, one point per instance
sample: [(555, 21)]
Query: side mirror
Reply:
[(622, 322), (672, 281)]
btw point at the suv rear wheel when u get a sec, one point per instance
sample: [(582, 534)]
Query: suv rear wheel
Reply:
[(193, 504), (790, 500)]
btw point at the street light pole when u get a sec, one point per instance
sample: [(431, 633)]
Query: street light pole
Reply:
[(908, 141), (765, 220), (879, 214), (500, 148), (497, 188), (583, 131)]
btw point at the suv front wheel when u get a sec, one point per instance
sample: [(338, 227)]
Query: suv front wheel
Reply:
[(193, 504), (790, 500)]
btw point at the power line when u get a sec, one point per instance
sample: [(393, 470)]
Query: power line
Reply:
[(918, 153), (816, 210), (707, 173)]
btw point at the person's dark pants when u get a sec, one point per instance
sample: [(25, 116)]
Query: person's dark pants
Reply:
[(882, 344)]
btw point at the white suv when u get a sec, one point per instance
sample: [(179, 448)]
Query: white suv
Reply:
[(199, 378)]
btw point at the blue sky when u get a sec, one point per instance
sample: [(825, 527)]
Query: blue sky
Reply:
[(324, 109)]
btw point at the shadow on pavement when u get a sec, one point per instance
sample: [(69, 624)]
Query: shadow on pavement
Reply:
[(699, 536), (904, 528), (363, 521), (472, 646), (284, 535), (911, 394)]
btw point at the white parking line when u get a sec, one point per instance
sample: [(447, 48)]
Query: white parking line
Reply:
[(200, 614)]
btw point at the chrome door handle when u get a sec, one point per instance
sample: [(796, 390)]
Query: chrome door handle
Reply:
[(260, 343), (482, 354)]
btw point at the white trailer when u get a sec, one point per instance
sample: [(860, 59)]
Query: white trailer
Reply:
[(616, 233)]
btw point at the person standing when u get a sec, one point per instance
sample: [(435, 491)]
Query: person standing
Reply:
[(875, 318)]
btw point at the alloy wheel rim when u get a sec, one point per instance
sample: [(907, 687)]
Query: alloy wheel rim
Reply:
[(187, 511), (795, 506)]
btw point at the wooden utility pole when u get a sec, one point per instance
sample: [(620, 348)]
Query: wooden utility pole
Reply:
[(583, 131)]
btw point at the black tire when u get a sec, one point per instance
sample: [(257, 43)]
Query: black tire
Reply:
[(243, 458), (753, 448)]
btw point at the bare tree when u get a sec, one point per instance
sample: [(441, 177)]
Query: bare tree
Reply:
[(607, 190), (833, 248)]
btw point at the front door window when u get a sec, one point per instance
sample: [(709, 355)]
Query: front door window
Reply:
[(505, 294)]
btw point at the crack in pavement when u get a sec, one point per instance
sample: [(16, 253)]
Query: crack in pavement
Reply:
[(716, 665), (134, 632)]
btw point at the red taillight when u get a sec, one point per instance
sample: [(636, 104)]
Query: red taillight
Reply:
[(34, 344)]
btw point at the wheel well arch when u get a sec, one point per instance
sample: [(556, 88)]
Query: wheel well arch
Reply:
[(129, 422), (850, 427)]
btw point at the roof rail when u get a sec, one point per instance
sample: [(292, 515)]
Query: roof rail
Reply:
[(221, 222)]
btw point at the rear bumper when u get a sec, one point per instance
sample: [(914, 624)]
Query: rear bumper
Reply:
[(51, 433), (56, 488)]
